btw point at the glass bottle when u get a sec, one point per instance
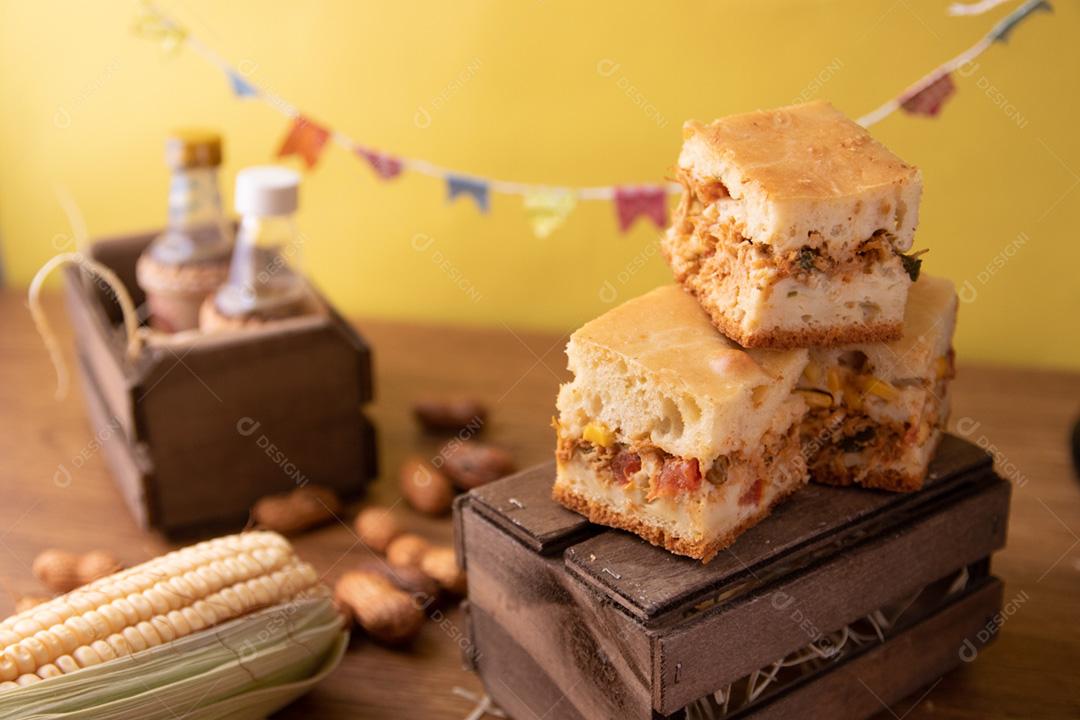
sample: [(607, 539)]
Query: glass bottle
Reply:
[(188, 261), (264, 282)]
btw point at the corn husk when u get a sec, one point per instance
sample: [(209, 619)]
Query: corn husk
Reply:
[(245, 668)]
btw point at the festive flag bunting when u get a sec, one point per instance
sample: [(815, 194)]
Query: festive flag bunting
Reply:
[(631, 203), (1003, 29), (386, 167), (152, 25), (305, 139), (241, 88), (547, 209), (476, 189), (930, 99)]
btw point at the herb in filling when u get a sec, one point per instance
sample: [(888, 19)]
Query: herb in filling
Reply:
[(807, 257), (912, 264)]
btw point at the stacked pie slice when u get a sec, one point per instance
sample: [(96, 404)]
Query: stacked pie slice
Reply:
[(802, 343)]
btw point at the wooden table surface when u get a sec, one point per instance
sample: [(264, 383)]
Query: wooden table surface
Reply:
[(1022, 416)]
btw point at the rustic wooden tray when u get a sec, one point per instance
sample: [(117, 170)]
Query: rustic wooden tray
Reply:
[(605, 625), (194, 432)]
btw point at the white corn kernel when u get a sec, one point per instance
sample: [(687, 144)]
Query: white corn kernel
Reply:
[(48, 671), (86, 656)]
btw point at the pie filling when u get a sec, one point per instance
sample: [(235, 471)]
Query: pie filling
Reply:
[(708, 241), (858, 424), (645, 476)]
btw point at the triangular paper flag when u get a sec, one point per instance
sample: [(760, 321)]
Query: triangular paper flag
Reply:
[(546, 210), (476, 189), (631, 203), (1003, 29), (930, 99), (305, 139), (386, 167), (241, 88)]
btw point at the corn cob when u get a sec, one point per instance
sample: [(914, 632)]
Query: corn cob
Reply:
[(151, 604)]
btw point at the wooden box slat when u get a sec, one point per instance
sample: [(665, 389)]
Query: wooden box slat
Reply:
[(769, 623), (596, 655), (120, 253), (623, 629), (131, 468), (518, 684), (219, 420), (859, 686), (102, 350), (873, 681), (521, 504)]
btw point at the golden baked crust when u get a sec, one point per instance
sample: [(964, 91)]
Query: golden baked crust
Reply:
[(655, 368), (701, 550), (802, 151), (667, 333)]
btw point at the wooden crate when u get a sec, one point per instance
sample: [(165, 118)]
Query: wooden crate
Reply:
[(573, 620), (195, 431)]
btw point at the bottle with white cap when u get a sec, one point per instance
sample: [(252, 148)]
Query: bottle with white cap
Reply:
[(264, 283)]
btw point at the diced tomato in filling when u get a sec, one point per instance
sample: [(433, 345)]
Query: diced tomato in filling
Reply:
[(752, 495), (624, 465), (678, 475)]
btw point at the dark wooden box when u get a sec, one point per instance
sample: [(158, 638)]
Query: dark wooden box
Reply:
[(194, 431), (572, 620)]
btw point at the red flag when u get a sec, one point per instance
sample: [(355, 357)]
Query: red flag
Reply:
[(930, 99), (305, 139), (386, 167), (631, 203)]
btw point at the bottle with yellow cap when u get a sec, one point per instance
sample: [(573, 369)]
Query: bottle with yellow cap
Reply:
[(187, 262), (264, 281)]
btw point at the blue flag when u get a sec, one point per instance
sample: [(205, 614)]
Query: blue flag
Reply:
[(1003, 29), (477, 189), (241, 87)]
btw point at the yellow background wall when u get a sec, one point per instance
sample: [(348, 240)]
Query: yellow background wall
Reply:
[(512, 90)]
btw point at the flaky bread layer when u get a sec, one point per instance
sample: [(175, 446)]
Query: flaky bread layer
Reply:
[(787, 173), (655, 369), (695, 523)]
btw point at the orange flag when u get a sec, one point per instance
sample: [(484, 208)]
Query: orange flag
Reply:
[(305, 139)]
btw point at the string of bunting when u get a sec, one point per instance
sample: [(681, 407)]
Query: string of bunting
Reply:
[(546, 207)]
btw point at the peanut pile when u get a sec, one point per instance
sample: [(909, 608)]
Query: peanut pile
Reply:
[(386, 594)]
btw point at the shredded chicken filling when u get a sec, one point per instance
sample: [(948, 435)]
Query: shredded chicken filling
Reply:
[(726, 248)]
